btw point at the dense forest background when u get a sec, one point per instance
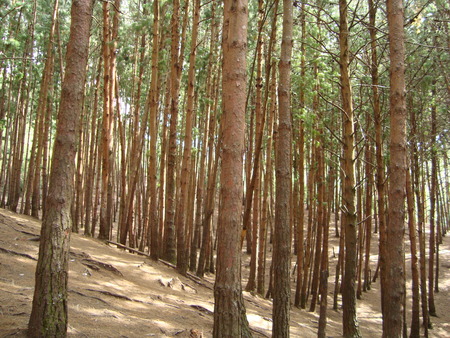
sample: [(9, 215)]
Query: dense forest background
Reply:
[(149, 143)]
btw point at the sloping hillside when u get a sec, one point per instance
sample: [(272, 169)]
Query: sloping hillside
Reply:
[(114, 293)]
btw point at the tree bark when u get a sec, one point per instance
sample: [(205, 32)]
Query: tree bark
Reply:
[(350, 323), (89, 196), (229, 311), (415, 320), (175, 72), (106, 143), (301, 168), (49, 311), (433, 197), (368, 215), (182, 257), (282, 229), (154, 93), (394, 287), (323, 288)]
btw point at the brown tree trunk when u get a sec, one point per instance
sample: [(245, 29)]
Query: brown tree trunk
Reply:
[(323, 288), (76, 204), (309, 233), (106, 143), (368, 215), (319, 181), (49, 311), (34, 169), (350, 323), (256, 175), (319, 233), (182, 257), (154, 94), (337, 285), (200, 189), (420, 224), (267, 187), (132, 168), (282, 233), (89, 195), (213, 162), (163, 171), (433, 196), (229, 311), (18, 134), (301, 168), (394, 286), (380, 222), (415, 320), (211, 84), (175, 72)]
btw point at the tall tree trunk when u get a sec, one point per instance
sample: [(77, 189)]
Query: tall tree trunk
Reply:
[(211, 84), (323, 288), (154, 94), (106, 143), (213, 162), (175, 72), (309, 234), (350, 323), (319, 181), (378, 121), (49, 311), (267, 186), (134, 155), (256, 176), (17, 149), (319, 233), (282, 233), (415, 320), (163, 172), (394, 286), (89, 195), (34, 169), (368, 215), (229, 311), (301, 167), (182, 257), (433, 197), (420, 223)]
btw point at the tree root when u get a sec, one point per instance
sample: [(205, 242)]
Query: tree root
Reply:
[(17, 253), (189, 275)]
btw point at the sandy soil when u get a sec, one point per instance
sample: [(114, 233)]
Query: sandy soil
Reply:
[(142, 298)]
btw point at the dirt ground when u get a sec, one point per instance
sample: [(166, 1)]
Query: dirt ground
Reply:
[(114, 293)]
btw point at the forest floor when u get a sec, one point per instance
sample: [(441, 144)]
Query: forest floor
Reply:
[(114, 293)]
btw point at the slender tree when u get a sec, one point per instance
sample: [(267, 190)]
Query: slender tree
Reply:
[(433, 244), (394, 287), (49, 311), (350, 323), (229, 311), (301, 168), (282, 234), (415, 318), (182, 257), (106, 138), (175, 73), (153, 218)]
